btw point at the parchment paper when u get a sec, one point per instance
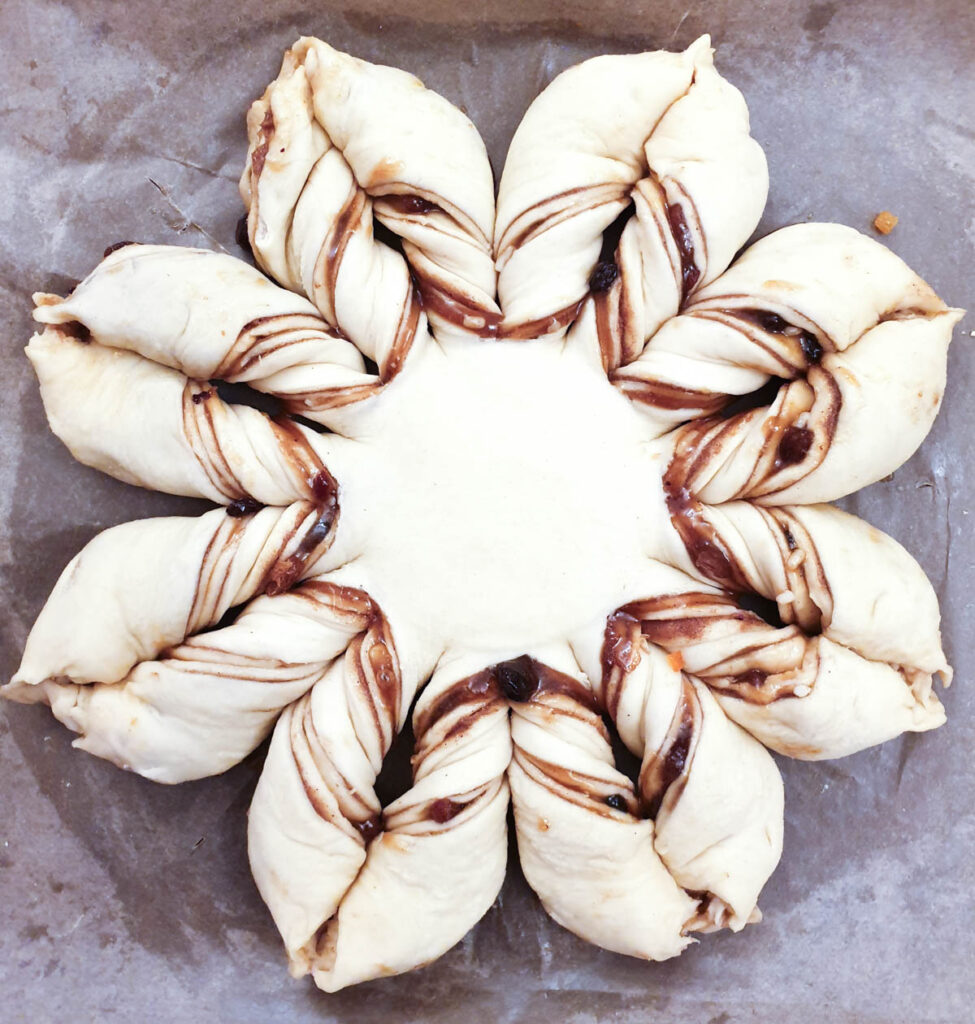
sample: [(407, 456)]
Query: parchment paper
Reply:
[(124, 900)]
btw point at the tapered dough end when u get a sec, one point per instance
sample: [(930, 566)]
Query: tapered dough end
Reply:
[(599, 877), (21, 692), (94, 627), (372, 111), (41, 301), (112, 723), (416, 897), (853, 704), (891, 384), (701, 51), (118, 413), (302, 863), (883, 605), (723, 834)]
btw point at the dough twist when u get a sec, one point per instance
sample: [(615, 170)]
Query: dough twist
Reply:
[(340, 874), (336, 145), (659, 136)]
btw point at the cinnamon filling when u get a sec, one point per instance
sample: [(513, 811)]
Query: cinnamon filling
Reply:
[(684, 239)]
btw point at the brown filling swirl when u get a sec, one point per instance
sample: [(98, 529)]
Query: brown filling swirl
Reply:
[(281, 559), (376, 683), (750, 659), (203, 423), (664, 774), (799, 430)]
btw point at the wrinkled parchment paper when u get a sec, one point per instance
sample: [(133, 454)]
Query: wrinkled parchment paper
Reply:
[(124, 900)]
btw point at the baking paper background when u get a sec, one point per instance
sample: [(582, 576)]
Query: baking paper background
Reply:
[(124, 900)]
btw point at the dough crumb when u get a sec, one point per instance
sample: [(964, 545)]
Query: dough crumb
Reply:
[(885, 222)]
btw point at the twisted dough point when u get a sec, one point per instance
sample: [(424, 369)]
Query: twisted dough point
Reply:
[(206, 703), (574, 810), (209, 316), (340, 876), (827, 571), (660, 135), (863, 338), (139, 588), (152, 426), (808, 697), (714, 794), (335, 143)]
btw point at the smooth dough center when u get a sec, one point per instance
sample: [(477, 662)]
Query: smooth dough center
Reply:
[(502, 496)]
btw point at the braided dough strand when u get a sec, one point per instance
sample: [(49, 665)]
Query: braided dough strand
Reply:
[(139, 588), (210, 316), (572, 807), (827, 571), (807, 697), (609, 137), (206, 703), (339, 876), (714, 794), (862, 338), (335, 143), (150, 425)]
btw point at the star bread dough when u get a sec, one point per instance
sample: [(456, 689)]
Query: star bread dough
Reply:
[(509, 494)]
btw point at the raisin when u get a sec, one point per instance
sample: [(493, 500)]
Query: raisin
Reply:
[(322, 486), (370, 828), (243, 507), (771, 322), (444, 810), (810, 346), (603, 276), (795, 445), (753, 677), (517, 678)]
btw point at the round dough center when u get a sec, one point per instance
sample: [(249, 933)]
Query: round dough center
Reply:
[(504, 494)]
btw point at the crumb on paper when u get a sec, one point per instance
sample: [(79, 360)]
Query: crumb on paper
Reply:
[(885, 222)]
